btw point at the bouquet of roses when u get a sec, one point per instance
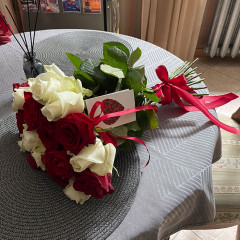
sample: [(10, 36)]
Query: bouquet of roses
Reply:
[(72, 125), (57, 130)]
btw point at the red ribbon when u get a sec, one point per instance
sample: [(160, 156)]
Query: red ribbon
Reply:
[(172, 89), (108, 136)]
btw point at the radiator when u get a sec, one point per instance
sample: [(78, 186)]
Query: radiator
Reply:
[(224, 37)]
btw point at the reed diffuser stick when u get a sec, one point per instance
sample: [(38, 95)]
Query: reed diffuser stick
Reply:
[(13, 34), (29, 26), (35, 25), (25, 42)]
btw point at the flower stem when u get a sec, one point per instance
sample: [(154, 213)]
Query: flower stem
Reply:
[(119, 84), (192, 83)]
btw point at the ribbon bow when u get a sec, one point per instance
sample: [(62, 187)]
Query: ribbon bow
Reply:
[(166, 90), (173, 89)]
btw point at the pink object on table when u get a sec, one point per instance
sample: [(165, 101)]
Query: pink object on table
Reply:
[(4, 31)]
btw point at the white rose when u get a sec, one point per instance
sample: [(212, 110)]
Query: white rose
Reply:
[(98, 157), (71, 84), (61, 104), (79, 197), (54, 80), (38, 159), (107, 166), (54, 69), (18, 98), (44, 84), (31, 141)]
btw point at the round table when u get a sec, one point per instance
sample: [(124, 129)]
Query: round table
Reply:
[(175, 189)]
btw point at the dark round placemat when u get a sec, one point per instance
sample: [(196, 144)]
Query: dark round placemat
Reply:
[(84, 44), (32, 206)]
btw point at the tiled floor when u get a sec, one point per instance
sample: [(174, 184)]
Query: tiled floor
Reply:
[(221, 76)]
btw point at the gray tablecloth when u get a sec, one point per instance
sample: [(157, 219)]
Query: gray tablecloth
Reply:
[(175, 190)]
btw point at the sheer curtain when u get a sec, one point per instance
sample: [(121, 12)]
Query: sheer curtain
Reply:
[(173, 25)]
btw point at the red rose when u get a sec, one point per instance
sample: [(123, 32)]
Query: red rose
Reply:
[(18, 85), (32, 111), (75, 131), (92, 184), (45, 132), (4, 31), (32, 162), (58, 166), (20, 120)]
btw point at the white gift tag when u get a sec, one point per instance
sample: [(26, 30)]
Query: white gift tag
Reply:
[(114, 102)]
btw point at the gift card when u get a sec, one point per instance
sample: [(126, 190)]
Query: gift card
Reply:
[(114, 102)]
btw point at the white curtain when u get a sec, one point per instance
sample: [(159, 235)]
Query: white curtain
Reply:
[(173, 25)]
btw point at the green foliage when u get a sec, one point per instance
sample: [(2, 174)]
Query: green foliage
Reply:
[(116, 58), (142, 121), (127, 145), (152, 96), (87, 81), (119, 45), (76, 61), (115, 72), (136, 54), (152, 119), (134, 81), (133, 126), (141, 71)]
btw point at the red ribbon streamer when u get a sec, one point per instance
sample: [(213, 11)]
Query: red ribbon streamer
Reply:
[(140, 141), (107, 136), (173, 89)]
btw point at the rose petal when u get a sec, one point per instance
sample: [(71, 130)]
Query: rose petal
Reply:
[(79, 197)]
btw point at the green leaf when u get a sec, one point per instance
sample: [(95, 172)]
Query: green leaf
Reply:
[(142, 121), (86, 80), (116, 72), (139, 100), (152, 96), (76, 61), (127, 146), (104, 61), (93, 69), (133, 126), (89, 66), (120, 131), (133, 81), (141, 71), (152, 118), (118, 45), (96, 89), (117, 57), (136, 54)]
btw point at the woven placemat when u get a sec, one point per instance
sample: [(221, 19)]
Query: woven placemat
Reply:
[(32, 206), (87, 44)]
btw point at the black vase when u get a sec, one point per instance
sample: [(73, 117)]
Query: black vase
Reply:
[(32, 67)]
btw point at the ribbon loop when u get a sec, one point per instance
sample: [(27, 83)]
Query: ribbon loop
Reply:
[(108, 136)]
